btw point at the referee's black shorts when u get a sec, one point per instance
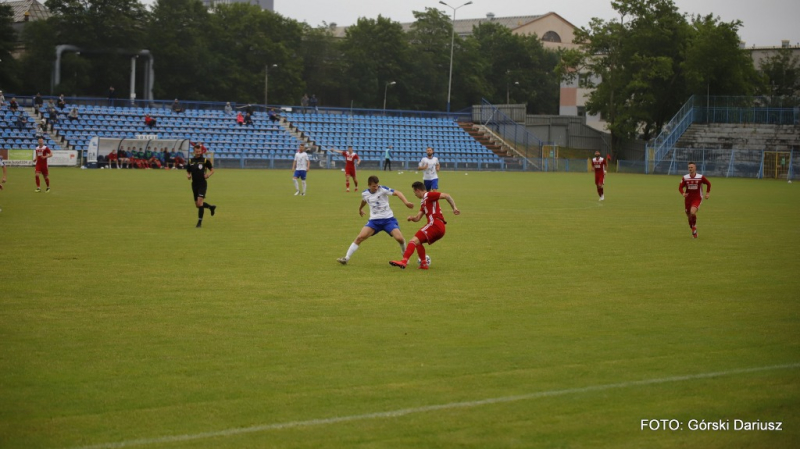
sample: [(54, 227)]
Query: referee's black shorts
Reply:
[(199, 189)]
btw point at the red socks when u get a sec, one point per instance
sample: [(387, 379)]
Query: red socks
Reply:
[(409, 251), (38, 184)]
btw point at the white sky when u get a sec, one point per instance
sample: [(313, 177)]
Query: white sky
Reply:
[(765, 22)]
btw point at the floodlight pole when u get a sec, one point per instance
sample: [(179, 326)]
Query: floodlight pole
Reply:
[(385, 90), (452, 43), (266, 84)]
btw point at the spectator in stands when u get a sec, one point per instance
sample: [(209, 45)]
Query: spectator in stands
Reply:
[(273, 116), (248, 109), (73, 114), (239, 118), (313, 102), (228, 108), (12, 105), (304, 103), (248, 119), (22, 121), (39, 132), (176, 106), (62, 102), (52, 115), (38, 102), (387, 158), (112, 95), (149, 121), (2, 99)]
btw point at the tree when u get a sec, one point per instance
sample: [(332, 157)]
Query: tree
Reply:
[(376, 52), (323, 70), (782, 72), (9, 79), (714, 63)]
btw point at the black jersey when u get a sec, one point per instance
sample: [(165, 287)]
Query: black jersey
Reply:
[(197, 167)]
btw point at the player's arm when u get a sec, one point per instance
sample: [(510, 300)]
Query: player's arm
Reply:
[(605, 166), (334, 150), (294, 165), (422, 166), (402, 197), (451, 201), (361, 208), (438, 166), (210, 166), (708, 186), (415, 218), (680, 188)]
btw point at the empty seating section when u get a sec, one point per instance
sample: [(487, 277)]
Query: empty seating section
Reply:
[(370, 135), (13, 135), (218, 131)]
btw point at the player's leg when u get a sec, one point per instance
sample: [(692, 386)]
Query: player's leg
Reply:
[(38, 183), (355, 181), (693, 220), (366, 232), (347, 181), (413, 245), (303, 178), (296, 186)]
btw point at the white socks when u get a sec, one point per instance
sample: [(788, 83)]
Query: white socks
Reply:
[(304, 186), (296, 187), (351, 250)]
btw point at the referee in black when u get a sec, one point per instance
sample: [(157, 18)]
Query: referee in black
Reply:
[(199, 170)]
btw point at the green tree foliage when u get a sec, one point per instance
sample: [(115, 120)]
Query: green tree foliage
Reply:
[(714, 63), (9, 70), (376, 52), (426, 80), (645, 65), (517, 68), (782, 73), (323, 66)]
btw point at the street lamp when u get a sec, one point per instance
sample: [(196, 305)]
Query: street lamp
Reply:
[(508, 100), (266, 83), (385, 89), (452, 42)]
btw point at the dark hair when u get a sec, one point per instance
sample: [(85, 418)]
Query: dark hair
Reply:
[(418, 186), (691, 163), (373, 180)]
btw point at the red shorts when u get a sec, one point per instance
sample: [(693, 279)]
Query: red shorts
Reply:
[(43, 169), (599, 178), (112, 157), (351, 171), (691, 202), (431, 232)]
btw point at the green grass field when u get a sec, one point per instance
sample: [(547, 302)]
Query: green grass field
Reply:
[(547, 319)]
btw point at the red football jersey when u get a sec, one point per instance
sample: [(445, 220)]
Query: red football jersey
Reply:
[(41, 155), (693, 185), (599, 165), (430, 206), (350, 159)]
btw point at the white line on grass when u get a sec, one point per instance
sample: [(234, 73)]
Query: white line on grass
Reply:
[(427, 408)]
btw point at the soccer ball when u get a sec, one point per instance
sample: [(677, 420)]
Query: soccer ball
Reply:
[(427, 260)]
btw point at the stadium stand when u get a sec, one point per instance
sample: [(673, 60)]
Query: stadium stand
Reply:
[(219, 132), (369, 135), (14, 136), (749, 136)]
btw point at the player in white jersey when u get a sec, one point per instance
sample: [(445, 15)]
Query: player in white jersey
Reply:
[(300, 168), (381, 217), (430, 166)]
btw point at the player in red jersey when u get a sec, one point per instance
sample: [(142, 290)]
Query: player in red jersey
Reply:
[(112, 157), (42, 154), (693, 194), (351, 162), (600, 167), (431, 232)]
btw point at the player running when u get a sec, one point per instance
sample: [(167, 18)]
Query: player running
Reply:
[(430, 165), (5, 173), (600, 166), (431, 232), (196, 172), (351, 162), (693, 194), (381, 217), (43, 153), (300, 168)]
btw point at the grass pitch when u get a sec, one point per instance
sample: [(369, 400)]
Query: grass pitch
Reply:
[(121, 325)]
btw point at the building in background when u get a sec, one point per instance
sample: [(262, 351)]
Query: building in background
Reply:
[(267, 5)]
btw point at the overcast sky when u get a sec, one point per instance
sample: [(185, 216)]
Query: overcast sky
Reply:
[(765, 22)]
